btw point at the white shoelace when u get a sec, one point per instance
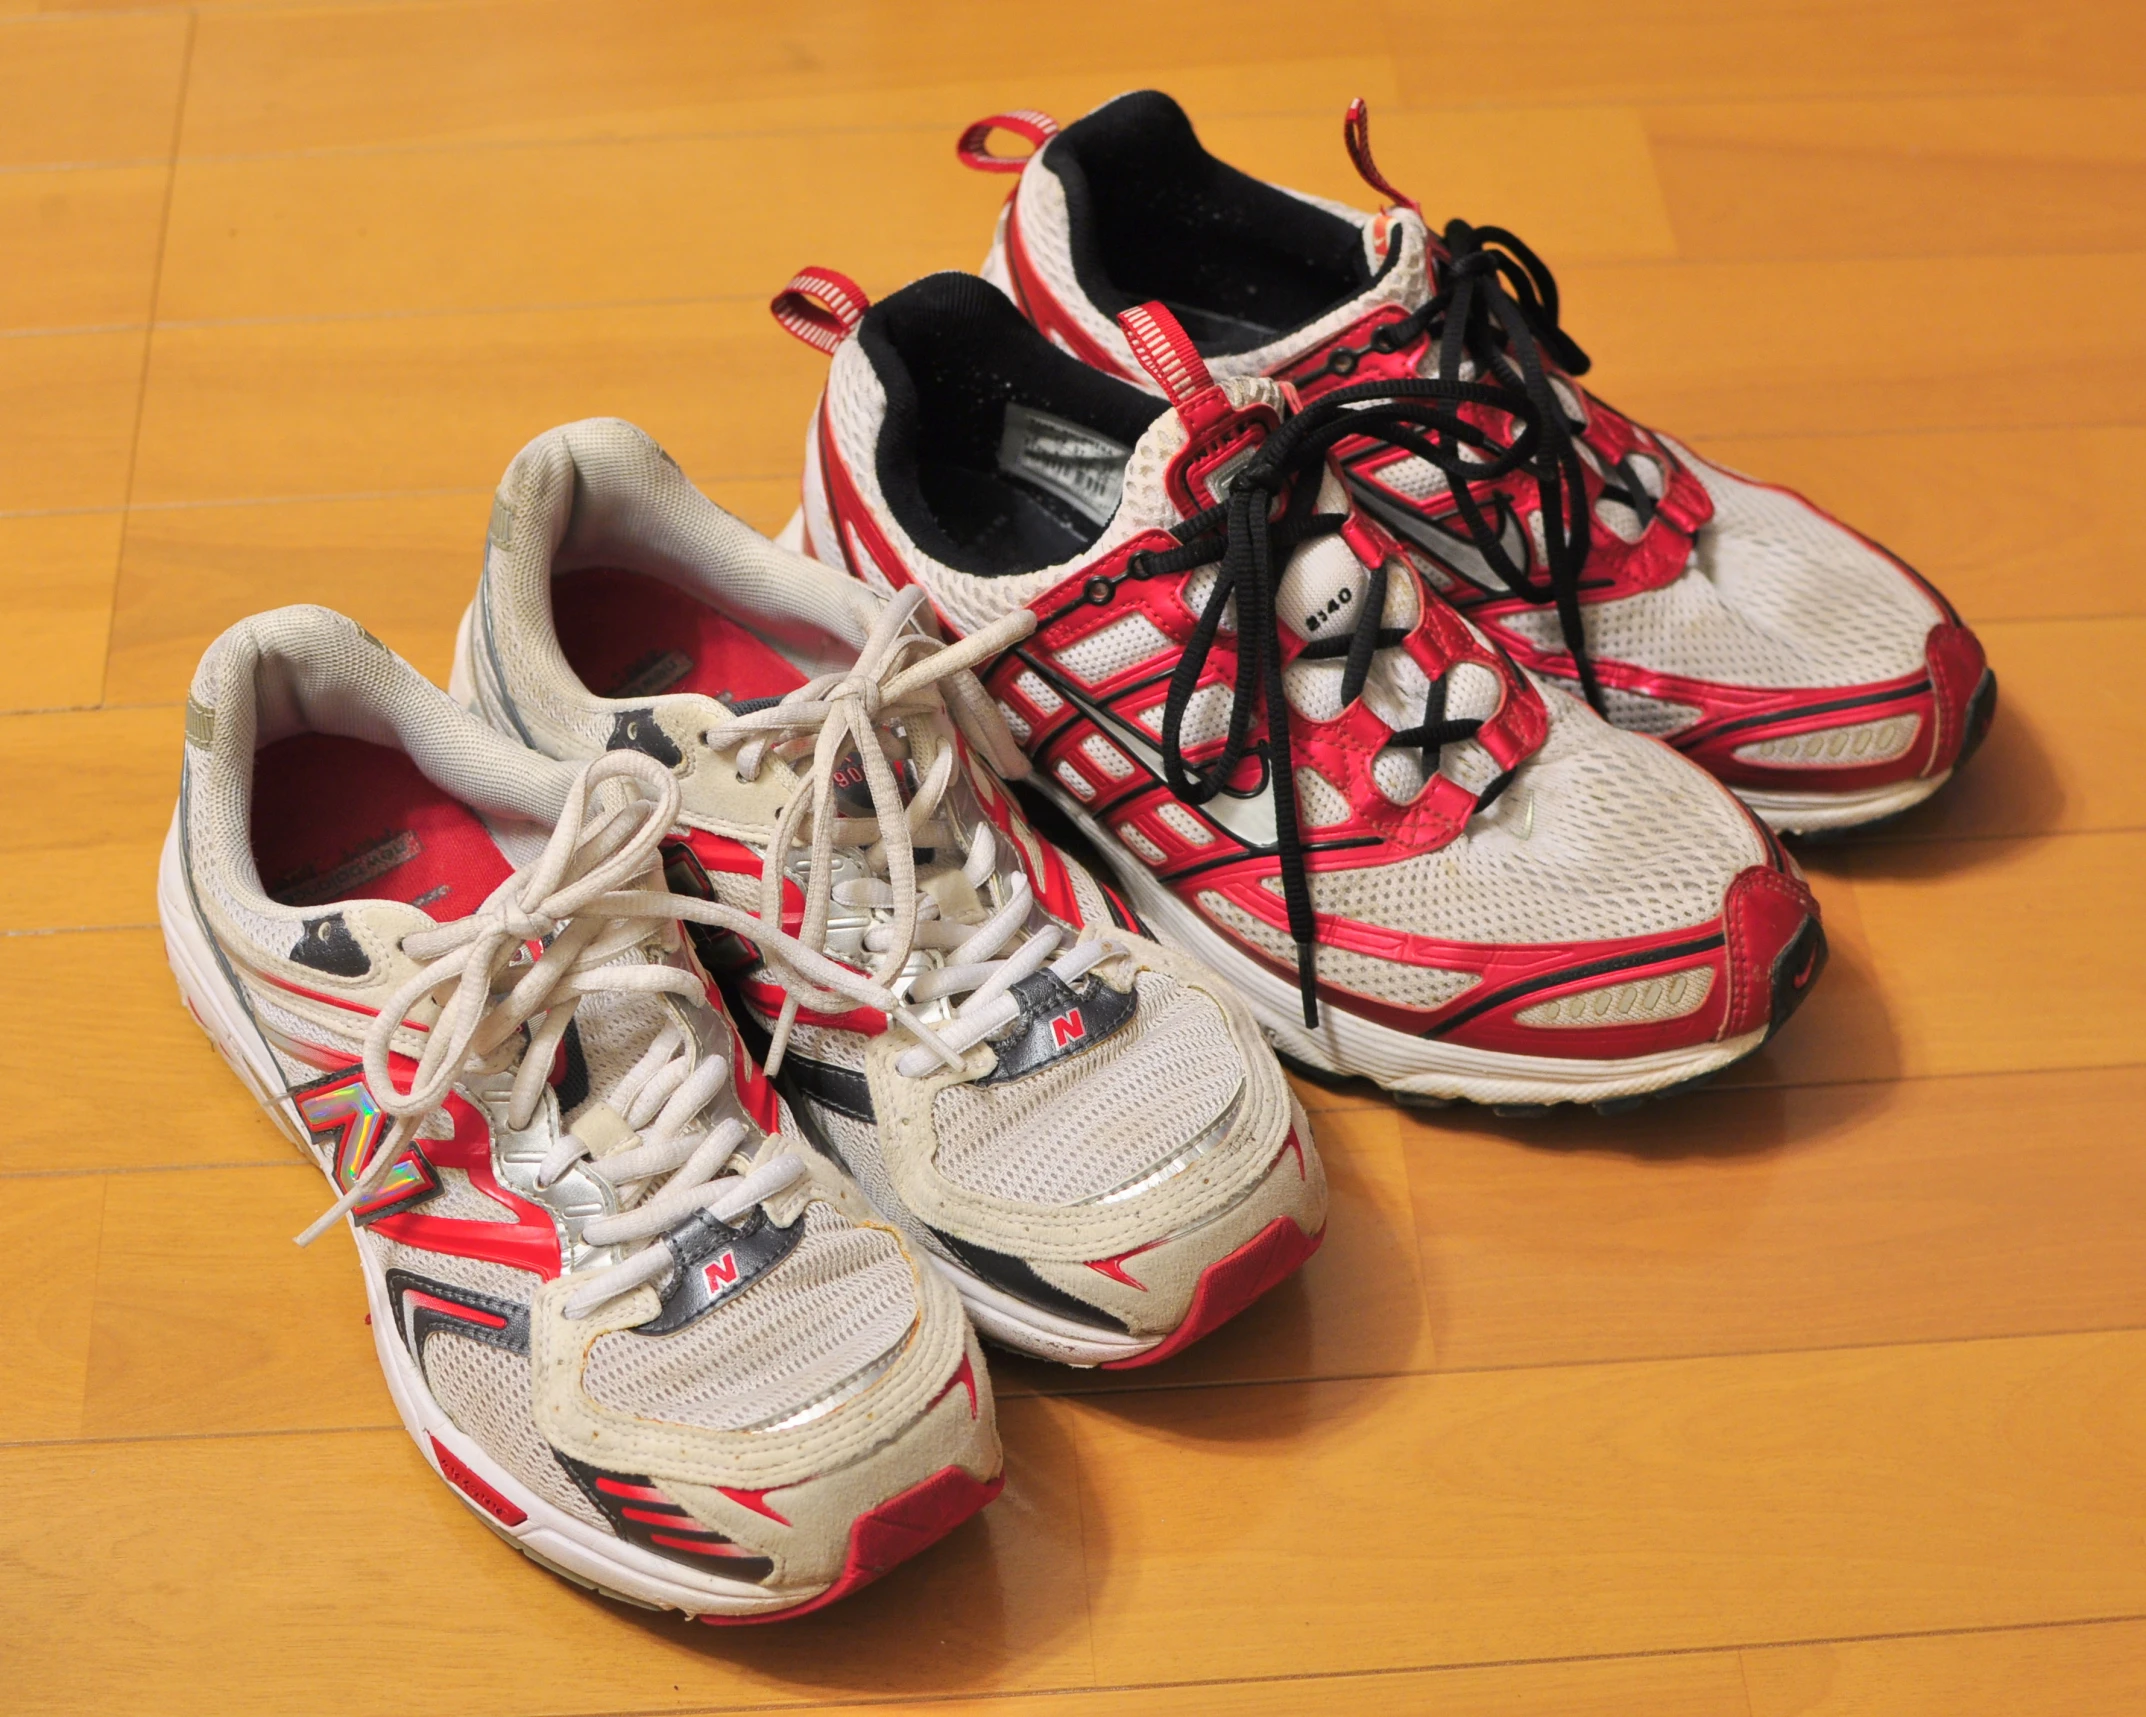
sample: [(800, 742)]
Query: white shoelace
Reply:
[(900, 671), (597, 893)]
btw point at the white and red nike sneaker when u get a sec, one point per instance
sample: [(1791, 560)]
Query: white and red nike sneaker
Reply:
[(1817, 675), (1083, 1131), (1431, 870), (662, 1353)]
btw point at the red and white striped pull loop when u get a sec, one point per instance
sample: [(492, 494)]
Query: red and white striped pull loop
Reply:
[(1026, 122), (1356, 133), (1165, 351), (822, 308)]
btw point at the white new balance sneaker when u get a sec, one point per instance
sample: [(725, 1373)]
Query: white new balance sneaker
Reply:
[(1084, 1131), (659, 1351), (1417, 862), (1819, 676)]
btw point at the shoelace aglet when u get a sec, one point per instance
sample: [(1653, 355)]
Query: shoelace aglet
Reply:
[(1308, 983)]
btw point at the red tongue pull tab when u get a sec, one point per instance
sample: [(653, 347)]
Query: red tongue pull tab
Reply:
[(1356, 134), (822, 308), (1167, 353)]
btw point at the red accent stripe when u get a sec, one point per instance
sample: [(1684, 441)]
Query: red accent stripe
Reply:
[(756, 1500), (458, 1474), (1024, 122), (677, 1517), (640, 1492), (964, 1378), (696, 1548), (819, 306), (1115, 1269), (448, 1308), (1051, 318)]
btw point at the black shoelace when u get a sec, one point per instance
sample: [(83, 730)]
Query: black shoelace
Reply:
[(1253, 544), (1496, 305)]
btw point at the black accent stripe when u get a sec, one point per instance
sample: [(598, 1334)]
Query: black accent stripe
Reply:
[(1016, 1278), (1590, 969), (843, 1089), (1245, 852), (1864, 702)]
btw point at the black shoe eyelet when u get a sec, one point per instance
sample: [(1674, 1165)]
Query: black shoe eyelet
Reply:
[(1342, 362), (1098, 591)]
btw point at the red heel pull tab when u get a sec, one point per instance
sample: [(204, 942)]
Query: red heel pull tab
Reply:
[(1356, 134), (1037, 128), (822, 308), (1166, 352)]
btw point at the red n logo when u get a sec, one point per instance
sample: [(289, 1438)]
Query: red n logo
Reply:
[(1066, 1028), (723, 1273)]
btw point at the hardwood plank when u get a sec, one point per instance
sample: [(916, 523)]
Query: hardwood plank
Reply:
[(1976, 175), (1699, 1684), (443, 402), (403, 564), (266, 1338), (90, 853), (1749, 348), (2038, 771), (353, 76), (237, 412), (83, 245), (2097, 1671), (89, 89), (253, 1612), (1969, 957), (43, 1366), (1678, 50), (178, 1104), (2005, 538), (56, 578), (1584, 1509), (1759, 1220), (601, 221), (67, 408)]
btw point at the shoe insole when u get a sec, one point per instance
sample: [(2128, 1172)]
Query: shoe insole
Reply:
[(631, 636), (343, 819)]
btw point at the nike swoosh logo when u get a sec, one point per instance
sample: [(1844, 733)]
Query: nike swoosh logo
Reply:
[(1457, 553), (1250, 820)]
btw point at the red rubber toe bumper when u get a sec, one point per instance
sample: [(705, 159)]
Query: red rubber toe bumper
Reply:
[(1230, 1284), (890, 1534), (1775, 947), (1964, 692)]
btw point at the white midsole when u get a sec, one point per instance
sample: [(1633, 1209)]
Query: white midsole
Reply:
[(1347, 1043), (1793, 813), (547, 1534)]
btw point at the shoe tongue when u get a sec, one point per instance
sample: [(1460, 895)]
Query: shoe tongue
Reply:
[(1169, 476)]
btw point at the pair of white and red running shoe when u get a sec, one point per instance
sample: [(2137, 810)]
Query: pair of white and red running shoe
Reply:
[(704, 1045)]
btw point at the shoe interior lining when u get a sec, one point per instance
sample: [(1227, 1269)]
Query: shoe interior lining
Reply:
[(1155, 217), (952, 354), (631, 635), (335, 818)]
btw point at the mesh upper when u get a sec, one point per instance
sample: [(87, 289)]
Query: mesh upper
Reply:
[(841, 1299), (1093, 1122), (486, 1393), (1601, 834)]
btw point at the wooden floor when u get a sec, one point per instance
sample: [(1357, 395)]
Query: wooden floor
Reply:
[(1823, 1392)]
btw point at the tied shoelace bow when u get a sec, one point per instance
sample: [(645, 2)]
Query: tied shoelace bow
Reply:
[(1494, 317), (596, 893), (1253, 544), (850, 713)]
